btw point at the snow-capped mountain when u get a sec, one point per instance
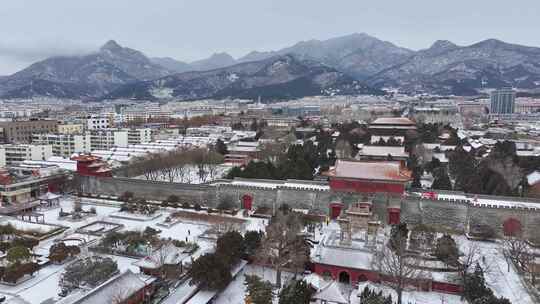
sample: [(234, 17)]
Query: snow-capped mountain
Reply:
[(444, 68), (450, 69), (359, 55), (274, 78), (89, 75)]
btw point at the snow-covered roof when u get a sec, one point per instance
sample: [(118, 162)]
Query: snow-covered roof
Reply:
[(274, 184), (342, 256), (494, 201), (393, 121), (387, 170), (432, 146), (314, 280), (49, 196), (441, 157), (118, 288), (533, 178), (383, 151), (331, 293)]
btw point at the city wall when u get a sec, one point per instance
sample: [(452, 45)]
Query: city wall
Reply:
[(451, 214)]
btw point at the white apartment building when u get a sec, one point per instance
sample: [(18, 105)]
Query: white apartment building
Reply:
[(97, 122), (3, 161), (71, 128), (145, 112), (110, 138), (13, 153), (64, 145)]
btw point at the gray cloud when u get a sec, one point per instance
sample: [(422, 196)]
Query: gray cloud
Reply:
[(32, 53), (193, 29)]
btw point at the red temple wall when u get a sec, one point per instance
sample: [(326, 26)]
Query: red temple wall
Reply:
[(365, 186), (357, 275)]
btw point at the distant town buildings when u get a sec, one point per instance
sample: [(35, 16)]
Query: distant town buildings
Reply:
[(99, 122), (20, 131)]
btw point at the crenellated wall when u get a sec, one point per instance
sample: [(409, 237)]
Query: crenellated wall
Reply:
[(449, 213)]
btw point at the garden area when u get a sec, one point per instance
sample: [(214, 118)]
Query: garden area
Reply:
[(88, 273), (59, 253), (18, 264), (16, 227), (99, 228), (135, 244), (136, 209)]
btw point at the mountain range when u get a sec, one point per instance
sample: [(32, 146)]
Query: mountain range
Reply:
[(352, 64), (278, 77)]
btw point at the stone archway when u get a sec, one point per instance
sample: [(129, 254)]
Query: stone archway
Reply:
[(512, 227), (344, 277)]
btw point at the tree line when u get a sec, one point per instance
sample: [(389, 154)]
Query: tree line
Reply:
[(174, 166)]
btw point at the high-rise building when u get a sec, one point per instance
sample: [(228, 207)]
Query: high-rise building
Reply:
[(503, 101)]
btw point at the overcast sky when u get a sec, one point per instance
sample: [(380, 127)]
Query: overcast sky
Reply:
[(187, 30)]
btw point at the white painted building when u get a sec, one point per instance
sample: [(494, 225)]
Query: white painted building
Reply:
[(98, 122), (17, 153), (64, 145)]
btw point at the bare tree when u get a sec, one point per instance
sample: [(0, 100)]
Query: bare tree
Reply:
[(213, 159), (272, 151), (282, 244), (470, 256), (519, 252), (511, 172), (343, 149), (400, 267)]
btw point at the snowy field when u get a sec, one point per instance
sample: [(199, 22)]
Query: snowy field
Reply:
[(45, 283), (503, 280), (190, 175), (236, 291)]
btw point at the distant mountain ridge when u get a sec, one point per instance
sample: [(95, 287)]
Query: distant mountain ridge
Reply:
[(359, 55), (444, 68), (87, 76), (447, 68), (273, 78)]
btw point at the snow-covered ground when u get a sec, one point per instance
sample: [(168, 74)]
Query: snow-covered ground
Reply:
[(409, 296), (236, 291), (190, 175), (45, 283), (503, 280)]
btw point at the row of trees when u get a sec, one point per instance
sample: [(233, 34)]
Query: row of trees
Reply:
[(299, 162), (500, 173), (176, 166), (497, 174)]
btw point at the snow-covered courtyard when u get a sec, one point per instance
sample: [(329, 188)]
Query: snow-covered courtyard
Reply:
[(44, 285)]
